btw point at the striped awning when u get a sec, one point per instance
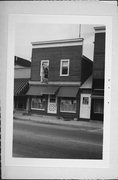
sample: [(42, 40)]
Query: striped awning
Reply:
[(38, 90), (20, 86)]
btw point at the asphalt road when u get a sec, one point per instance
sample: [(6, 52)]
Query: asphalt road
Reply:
[(35, 140)]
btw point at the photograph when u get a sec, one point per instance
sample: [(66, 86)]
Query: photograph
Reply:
[(59, 84), (58, 102)]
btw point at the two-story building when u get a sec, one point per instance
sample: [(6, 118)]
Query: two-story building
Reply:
[(97, 109), (58, 69)]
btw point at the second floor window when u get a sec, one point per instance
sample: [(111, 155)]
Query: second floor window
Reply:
[(64, 67), (44, 70)]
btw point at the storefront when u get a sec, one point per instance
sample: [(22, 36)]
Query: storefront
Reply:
[(54, 100), (42, 99), (68, 102)]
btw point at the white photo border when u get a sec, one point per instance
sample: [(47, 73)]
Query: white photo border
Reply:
[(61, 19)]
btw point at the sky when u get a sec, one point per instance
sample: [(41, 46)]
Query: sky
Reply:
[(31, 32)]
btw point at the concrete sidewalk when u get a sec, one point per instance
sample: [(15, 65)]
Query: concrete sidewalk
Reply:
[(92, 125)]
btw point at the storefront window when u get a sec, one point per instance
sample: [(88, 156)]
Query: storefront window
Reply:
[(98, 106), (68, 105), (38, 103)]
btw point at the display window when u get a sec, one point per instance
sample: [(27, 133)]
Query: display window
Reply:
[(68, 105), (38, 103)]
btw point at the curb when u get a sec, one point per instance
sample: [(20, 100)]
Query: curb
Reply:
[(64, 123), (47, 122)]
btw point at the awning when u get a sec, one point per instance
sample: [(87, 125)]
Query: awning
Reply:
[(20, 86), (87, 84), (42, 90), (68, 91)]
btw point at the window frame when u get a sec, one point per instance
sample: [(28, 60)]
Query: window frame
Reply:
[(61, 62), (41, 67)]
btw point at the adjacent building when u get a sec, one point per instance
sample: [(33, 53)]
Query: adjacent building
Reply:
[(58, 70), (97, 108), (22, 73)]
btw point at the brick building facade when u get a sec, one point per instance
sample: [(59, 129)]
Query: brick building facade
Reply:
[(58, 70)]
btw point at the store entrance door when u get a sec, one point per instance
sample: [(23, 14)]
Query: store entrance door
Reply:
[(52, 104), (85, 106)]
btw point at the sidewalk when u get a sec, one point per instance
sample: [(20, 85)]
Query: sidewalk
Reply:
[(92, 125)]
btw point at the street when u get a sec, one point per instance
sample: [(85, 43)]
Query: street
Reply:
[(37, 140)]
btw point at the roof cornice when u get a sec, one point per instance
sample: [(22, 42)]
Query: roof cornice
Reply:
[(100, 29), (58, 43)]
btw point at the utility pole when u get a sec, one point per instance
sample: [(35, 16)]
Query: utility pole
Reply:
[(79, 30)]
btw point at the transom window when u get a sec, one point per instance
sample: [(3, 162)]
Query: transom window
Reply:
[(64, 67)]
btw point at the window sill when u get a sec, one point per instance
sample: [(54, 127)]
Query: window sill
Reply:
[(37, 109), (68, 111), (61, 75)]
